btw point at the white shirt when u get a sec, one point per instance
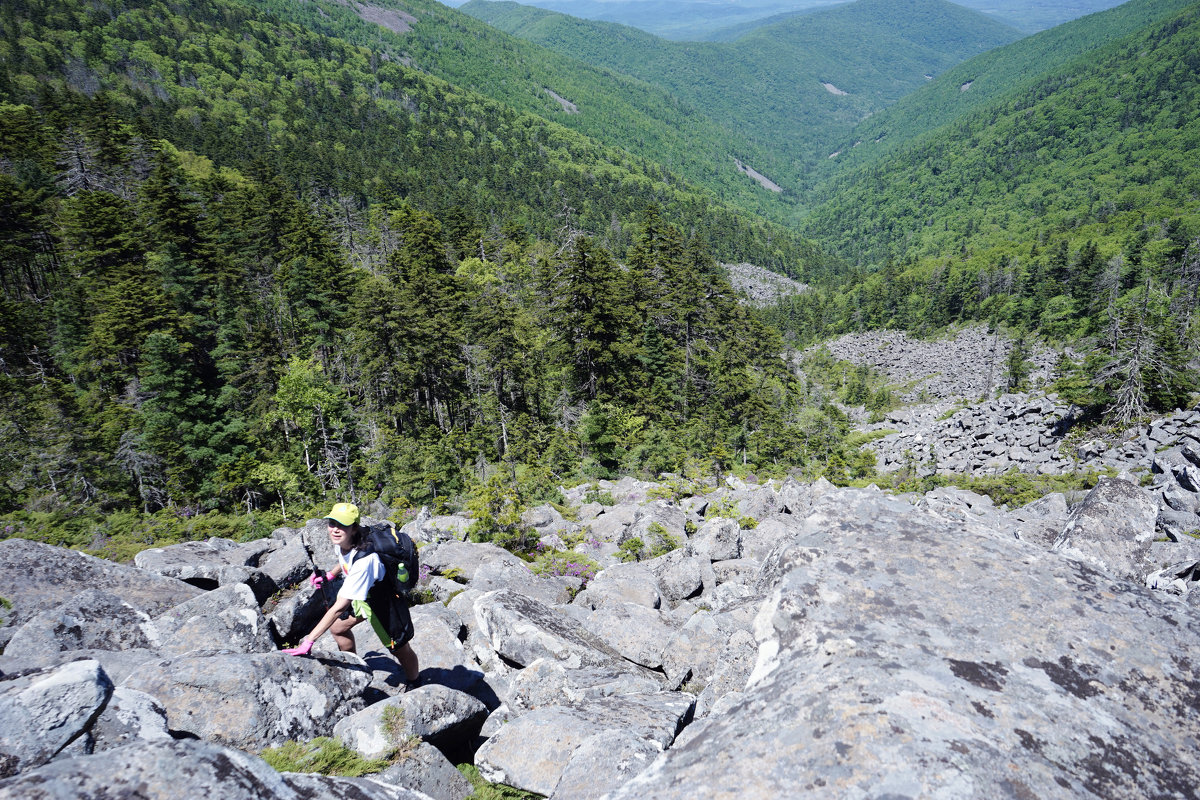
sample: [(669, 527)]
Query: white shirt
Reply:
[(361, 574)]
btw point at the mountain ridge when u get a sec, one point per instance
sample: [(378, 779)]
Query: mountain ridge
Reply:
[(773, 83)]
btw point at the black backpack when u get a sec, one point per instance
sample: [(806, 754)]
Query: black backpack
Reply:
[(394, 547)]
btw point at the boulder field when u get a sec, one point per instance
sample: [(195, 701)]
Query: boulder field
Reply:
[(792, 640)]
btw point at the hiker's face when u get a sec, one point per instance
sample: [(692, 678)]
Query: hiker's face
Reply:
[(341, 535)]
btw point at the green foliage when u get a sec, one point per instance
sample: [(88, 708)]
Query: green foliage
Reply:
[(870, 52), (323, 755), (392, 724), (1012, 489), (554, 563), (495, 506), (120, 535), (661, 540), (632, 549), (596, 495)]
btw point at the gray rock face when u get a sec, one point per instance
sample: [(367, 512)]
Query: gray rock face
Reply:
[(434, 713), (170, 770), (41, 713), (636, 632), (881, 673), (851, 644), (1111, 529), (36, 577), (465, 557), (717, 540), (288, 564), (521, 630), (551, 683), (533, 751), (252, 701), (631, 583), (604, 762), (197, 561), (130, 716), (227, 618), (427, 771), (515, 575), (91, 620)]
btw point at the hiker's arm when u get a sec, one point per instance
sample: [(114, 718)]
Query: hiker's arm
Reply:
[(330, 617)]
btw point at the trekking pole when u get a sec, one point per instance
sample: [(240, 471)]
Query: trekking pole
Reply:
[(317, 570)]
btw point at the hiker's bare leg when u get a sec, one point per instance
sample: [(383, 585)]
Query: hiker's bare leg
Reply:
[(408, 660), (342, 634)]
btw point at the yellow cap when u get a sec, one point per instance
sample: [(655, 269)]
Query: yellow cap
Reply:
[(345, 513)]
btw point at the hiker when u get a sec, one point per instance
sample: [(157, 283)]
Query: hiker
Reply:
[(362, 595)]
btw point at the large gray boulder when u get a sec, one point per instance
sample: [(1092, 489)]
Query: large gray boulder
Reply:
[(252, 701), (546, 682), (210, 563), (226, 618), (170, 770), (899, 658), (638, 633), (36, 577), (463, 558), (288, 564), (521, 630), (533, 751), (129, 717), (91, 620), (43, 712), (444, 659), (436, 714), (515, 574), (422, 768), (632, 582), (604, 762), (1111, 529)]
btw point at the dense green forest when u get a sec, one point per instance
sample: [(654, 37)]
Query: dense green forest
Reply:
[(992, 77), (1070, 210), (792, 88), (248, 266), (639, 117), (257, 255)]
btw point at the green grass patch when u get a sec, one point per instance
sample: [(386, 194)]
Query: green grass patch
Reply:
[(859, 438), (322, 755)]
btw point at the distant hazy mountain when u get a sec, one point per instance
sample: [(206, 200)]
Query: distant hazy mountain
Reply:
[(700, 20)]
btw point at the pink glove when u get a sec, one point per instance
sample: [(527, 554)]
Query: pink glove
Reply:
[(318, 578), (301, 649)]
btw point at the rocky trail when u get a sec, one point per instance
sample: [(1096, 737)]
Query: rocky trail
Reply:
[(956, 422), (790, 639), (794, 640)]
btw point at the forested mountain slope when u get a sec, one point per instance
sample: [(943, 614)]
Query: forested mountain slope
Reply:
[(244, 265), (644, 119), (789, 88), (1070, 209), (1092, 151), (980, 82)]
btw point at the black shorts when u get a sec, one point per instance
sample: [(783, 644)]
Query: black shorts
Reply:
[(394, 616)]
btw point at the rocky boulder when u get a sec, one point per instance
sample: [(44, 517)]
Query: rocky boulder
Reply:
[(36, 577), (164, 770), (43, 712), (255, 700), (1111, 529), (898, 658)]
